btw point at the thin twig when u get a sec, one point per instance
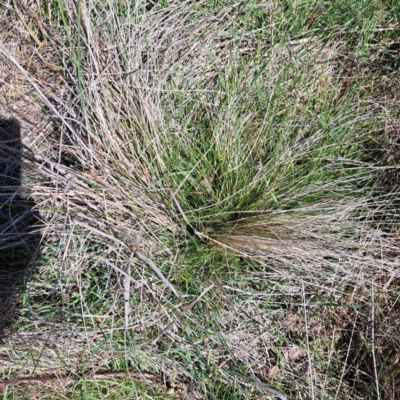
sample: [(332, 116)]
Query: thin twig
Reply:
[(54, 377), (186, 309)]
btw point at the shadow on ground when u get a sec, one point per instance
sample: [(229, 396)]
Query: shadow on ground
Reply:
[(19, 225)]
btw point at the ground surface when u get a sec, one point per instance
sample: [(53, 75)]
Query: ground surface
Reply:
[(249, 149)]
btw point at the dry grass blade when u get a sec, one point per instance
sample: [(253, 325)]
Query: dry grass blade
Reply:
[(138, 252), (185, 310), (127, 296), (230, 153)]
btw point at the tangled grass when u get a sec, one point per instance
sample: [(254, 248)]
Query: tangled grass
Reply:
[(250, 150)]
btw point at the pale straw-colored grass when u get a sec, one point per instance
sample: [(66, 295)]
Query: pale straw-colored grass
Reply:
[(231, 159)]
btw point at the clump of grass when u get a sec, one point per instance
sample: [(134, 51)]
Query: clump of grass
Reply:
[(237, 146)]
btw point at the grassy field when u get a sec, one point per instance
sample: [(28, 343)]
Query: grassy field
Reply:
[(250, 150)]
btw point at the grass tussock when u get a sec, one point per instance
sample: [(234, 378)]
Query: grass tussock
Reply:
[(252, 147)]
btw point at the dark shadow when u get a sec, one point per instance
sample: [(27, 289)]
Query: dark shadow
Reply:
[(19, 225)]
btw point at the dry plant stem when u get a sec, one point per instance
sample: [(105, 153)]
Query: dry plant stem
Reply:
[(54, 377), (373, 339), (63, 261), (263, 386), (127, 292), (153, 266), (186, 309), (138, 254), (310, 363), (121, 271)]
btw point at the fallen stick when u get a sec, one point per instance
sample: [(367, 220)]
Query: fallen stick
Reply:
[(53, 377)]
